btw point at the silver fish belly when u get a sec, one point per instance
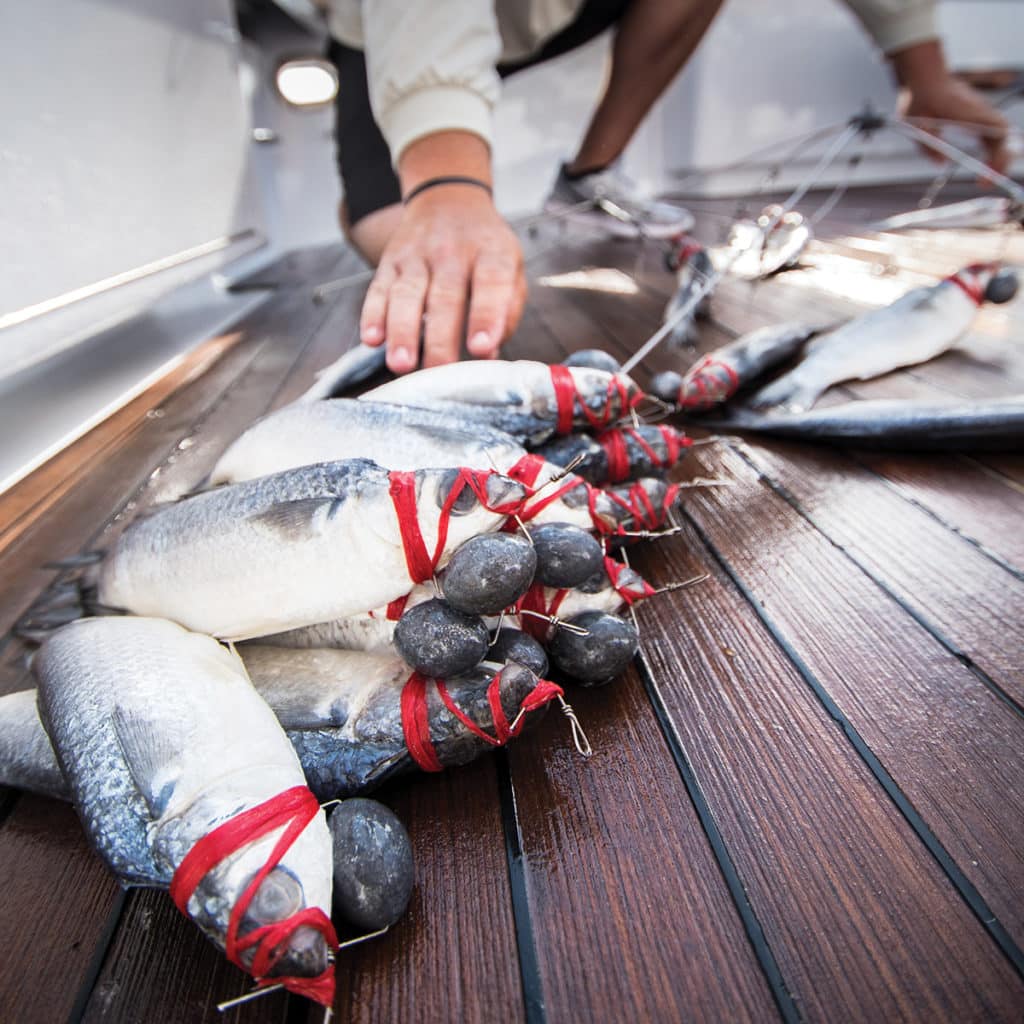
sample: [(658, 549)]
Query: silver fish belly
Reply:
[(918, 326), (393, 436), (162, 739), (302, 546)]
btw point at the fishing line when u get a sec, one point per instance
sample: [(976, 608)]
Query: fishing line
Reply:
[(853, 129)]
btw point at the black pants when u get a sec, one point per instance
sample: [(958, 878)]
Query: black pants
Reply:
[(364, 160)]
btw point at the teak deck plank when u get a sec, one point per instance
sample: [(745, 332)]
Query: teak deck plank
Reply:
[(856, 911), (768, 827), (620, 894)]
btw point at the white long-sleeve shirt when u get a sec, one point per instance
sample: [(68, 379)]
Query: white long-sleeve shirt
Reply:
[(431, 65)]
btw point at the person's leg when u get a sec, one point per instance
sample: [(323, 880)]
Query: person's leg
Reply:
[(653, 41), (372, 205)]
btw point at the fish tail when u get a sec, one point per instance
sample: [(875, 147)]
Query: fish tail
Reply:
[(789, 392)]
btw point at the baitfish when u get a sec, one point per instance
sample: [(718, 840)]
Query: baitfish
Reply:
[(358, 719), (527, 399), (342, 710), (353, 367), (958, 425), (983, 212), (393, 436), (717, 376), (619, 453), (758, 255), (693, 269), (165, 744), (917, 327), (306, 545)]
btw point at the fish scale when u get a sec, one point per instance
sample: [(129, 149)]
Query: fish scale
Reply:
[(162, 739), (294, 548)]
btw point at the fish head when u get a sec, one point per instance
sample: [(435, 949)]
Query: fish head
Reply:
[(474, 500), (300, 881), (992, 281), (974, 279), (604, 397)]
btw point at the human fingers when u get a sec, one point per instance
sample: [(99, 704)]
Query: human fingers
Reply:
[(406, 299), (446, 310), (373, 318), (492, 302)]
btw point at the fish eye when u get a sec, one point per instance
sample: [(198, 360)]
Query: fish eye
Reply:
[(464, 503), (278, 897)]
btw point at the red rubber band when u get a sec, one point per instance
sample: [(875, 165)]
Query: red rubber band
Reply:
[(973, 291), (614, 444), (704, 386), (416, 726), (526, 471), (566, 396), (396, 608), (615, 570), (294, 809), (421, 565)]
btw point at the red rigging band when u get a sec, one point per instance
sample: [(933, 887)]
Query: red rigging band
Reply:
[(614, 443), (416, 724), (566, 397), (695, 392), (294, 809), (639, 506), (526, 471), (420, 563), (615, 570), (971, 288)]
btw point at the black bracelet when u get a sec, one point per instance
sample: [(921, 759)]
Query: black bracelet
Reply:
[(447, 179)]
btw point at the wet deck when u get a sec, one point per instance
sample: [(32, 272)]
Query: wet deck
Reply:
[(807, 801)]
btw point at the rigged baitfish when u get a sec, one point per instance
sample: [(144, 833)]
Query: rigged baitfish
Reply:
[(619, 453), (959, 425), (527, 399), (354, 719), (358, 719), (717, 376), (983, 212), (393, 436), (917, 327), (693, 269), (184, 780), (757, 255), (302, 546)]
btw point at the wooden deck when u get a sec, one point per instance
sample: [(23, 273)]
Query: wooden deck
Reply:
[(807, 798)]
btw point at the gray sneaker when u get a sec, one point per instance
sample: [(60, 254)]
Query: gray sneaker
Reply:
[(620, 205)]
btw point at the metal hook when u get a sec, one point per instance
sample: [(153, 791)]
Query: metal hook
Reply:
[(256, 993), (691, 582), (557, 622)]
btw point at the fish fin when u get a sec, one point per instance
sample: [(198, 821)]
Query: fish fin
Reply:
[(295, 520), (78, 561), (785, 393), (149, 755)]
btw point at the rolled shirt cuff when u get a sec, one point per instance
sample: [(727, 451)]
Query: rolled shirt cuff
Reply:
[(900, 31), (435, 108)]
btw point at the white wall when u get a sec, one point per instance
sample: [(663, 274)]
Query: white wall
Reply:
[(124, 142)]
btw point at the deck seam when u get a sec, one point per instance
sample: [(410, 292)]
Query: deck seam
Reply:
[(526, 946), (99, 957), (960, 882), (734, 883), (930, 628)]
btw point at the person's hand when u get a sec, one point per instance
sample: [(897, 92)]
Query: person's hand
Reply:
[(452, 261), (933, 93)]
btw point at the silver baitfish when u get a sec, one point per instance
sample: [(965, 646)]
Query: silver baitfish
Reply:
[(165, 745), (759, 255), (303, 546), (394, 436), (693, 268), (955, 425), (917, 327), (358, 719), (527, 399), (717, 376)]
